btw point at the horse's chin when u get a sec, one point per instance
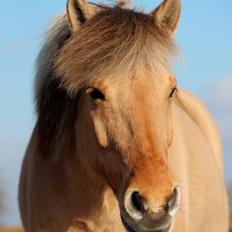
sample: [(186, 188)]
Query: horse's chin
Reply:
[(129, 228)]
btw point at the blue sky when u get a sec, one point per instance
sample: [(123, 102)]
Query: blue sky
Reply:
[(204, 37)]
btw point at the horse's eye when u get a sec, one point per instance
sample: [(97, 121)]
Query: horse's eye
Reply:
[(172, 91), (97, 94)]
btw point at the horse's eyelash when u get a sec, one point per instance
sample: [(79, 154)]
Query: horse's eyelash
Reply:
[(173, 91)]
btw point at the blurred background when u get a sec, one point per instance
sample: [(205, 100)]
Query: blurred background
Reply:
[(204, 37)]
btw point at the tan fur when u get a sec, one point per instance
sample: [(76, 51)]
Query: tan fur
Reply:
[(198, 168), (204, 121), (85, 154)]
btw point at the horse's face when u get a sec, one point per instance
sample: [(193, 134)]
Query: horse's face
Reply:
[(129, 129), (124, 120)]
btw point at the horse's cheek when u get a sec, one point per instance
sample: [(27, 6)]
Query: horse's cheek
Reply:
[(100, 131)]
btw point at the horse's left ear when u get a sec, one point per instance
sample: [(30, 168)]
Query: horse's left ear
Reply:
[(167, 15), (79, 11)]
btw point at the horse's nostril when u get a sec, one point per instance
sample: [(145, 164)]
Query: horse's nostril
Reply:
[(134, 204), (138, 202), (174, 201)]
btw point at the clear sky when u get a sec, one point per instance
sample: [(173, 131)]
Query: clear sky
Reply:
[(204, 37)]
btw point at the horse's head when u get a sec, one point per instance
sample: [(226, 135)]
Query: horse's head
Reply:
[(116, 61), (127, 124)]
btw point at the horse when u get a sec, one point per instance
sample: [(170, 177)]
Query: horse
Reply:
[(117, 145)]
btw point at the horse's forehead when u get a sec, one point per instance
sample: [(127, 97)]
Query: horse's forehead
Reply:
[(139, 85)]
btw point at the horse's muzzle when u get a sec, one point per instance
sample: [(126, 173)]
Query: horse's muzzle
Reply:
[(163, 226), (137, 216)]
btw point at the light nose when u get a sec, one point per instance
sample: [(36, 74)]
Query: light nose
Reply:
[(137, 207)]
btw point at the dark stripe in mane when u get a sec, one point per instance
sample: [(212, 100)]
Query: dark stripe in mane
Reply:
[(56, 110)]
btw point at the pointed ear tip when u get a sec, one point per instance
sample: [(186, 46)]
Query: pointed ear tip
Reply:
[(78, 11), (167, 14)]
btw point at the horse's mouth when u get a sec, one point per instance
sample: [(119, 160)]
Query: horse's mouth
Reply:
[(130, 229)]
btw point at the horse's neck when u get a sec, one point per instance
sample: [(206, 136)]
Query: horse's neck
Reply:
[(200, 115), (74, 197)]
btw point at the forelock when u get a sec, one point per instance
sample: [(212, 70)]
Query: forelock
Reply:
[(114, 43)]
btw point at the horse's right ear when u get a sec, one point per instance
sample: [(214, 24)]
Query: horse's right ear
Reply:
[(79, 11)]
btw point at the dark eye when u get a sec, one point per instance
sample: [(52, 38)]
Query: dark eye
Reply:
[(172, 91), (97, 94)]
